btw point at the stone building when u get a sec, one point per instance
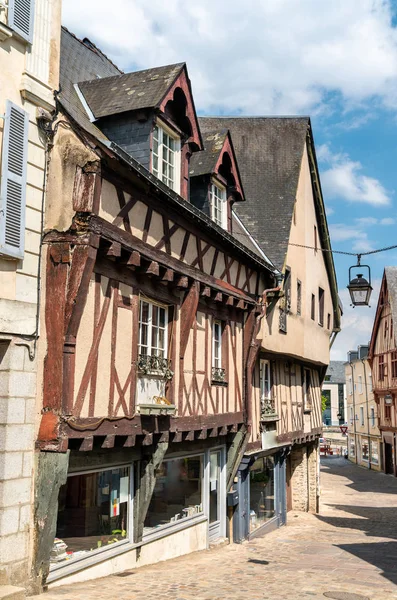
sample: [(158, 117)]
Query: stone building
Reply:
[(29, 67), (364, 440)]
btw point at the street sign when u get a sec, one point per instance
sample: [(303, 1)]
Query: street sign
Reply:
[(343, 429)]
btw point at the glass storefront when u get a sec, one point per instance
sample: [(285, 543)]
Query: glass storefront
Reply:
[(177, 494), (365, 449), (93, 513), (374, 453), (262, 492)]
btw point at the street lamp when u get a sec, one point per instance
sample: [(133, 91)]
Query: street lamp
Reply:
[(359, 288)]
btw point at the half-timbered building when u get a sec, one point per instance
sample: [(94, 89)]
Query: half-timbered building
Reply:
[(383, 361), (151, 310), (285, 219)]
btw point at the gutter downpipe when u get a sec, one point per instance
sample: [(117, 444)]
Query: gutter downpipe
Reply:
[(366, 402)]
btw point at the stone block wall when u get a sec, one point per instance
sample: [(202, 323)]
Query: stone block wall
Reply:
[(17, 417), (305, 477)]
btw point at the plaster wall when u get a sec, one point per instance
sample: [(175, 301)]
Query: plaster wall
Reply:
[(29, 74), (305, 338), (333, 388)]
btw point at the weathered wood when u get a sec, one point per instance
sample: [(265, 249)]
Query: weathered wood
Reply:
[(147, 440), (223, 430), (189, 436), (129, 441), (177, 437), (148, 220), (82, 265), (218, 297), (129, 242), (181, 282), (114, 249), (214, 432), (87, 188), (109, 441), (202, 435), (150, 269), (87, 444)]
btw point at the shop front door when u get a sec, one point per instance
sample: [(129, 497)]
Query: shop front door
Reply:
[(389, 466), (216, 494)]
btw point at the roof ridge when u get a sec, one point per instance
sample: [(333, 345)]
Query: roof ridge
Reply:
[(254, 117), (92, 47), (123, 74)]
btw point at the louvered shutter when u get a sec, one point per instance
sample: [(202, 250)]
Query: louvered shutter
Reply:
[(13, 181), (21, 17)]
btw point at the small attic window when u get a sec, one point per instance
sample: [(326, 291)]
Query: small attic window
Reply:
[(166, 156), (218, 204)]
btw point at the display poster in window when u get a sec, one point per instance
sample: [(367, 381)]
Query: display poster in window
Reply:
[(114, 504), (123, 489)]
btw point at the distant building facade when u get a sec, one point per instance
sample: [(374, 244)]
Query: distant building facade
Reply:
[(364, 438), (334, 390), (383, 360)]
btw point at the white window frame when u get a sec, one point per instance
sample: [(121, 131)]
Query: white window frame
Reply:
[(218, 203), (76, 564), (307, 407), (163, 130), (216, 345), (149, 324), (265, 381)]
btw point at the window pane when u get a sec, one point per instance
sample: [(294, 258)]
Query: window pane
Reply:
[(215, 479), (92, 513), (262, 500), (177, 493)]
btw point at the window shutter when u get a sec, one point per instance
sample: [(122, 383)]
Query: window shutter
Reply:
[(13, 181), (21, 17)]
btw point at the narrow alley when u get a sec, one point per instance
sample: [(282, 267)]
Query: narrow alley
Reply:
[(347, 552)]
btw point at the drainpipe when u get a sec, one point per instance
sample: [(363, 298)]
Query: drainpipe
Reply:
[(354, 414), (366, 401)]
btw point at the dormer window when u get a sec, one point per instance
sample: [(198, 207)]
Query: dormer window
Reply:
[(166, 156), (218, 205)]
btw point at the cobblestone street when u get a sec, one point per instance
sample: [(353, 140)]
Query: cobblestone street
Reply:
[(350, 547)]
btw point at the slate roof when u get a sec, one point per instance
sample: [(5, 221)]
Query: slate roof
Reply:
[(130, 91), (269, 153), (336, 369), (202, 163), (80, 61), (244, 237)]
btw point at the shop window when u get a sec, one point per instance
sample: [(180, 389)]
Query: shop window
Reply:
[(178, 493), (374, 452), (93, 514), (262, 492), (307, 390), (352, 447), (365, 450), (394, 364)]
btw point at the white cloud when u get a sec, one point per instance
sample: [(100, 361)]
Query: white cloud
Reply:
[(357, 324), (387, 221), (367, 221), (343, 179), (256, 56), (342, 233)]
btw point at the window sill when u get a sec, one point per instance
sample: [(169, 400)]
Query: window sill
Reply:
[(307, 411), (5, 32), (37, 92), (220, 383), (156, 409)]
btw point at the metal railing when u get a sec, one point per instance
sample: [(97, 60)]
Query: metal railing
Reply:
[(151, 364), (218, 375)]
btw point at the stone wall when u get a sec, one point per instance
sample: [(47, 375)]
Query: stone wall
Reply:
[(17, 415), (305, 477)]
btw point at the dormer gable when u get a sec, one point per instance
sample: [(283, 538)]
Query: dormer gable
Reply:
[(151, 115), (383, 338), (215, 182)]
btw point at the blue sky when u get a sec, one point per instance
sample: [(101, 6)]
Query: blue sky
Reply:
[(335, 61)]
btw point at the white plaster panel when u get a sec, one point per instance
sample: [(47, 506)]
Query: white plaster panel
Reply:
[(137, 218), (109, 205), (156, 230)]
